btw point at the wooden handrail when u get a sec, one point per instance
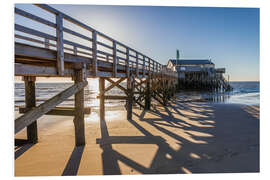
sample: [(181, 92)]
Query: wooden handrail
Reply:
[(141, 59)]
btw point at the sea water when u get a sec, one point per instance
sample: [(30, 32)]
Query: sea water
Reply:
[(243, 93)]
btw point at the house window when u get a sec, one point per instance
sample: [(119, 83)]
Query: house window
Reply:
[(182, 68)]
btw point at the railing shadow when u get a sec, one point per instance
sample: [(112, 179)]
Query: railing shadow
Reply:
[(166, 160)]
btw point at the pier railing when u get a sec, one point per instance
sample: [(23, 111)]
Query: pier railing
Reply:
[(97, 46)]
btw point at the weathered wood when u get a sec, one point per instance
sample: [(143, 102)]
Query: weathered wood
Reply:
[(47, 43), (34, 32), (147, 99), (35, 18), (30, 101), (76, 34), (112, 97), (94, 50), (127, 63), (101, 98), (60, 44), (45, 107), (113, 83), (42, 53), (130, 87), (137, 65), (80, 76), (41, 71), (114, 59), (143, 66), (75, 51), (117, 84), (59, 111), (60, 16)]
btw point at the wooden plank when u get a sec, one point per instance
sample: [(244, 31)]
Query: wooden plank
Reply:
[(34, 32), (29, 39), (42, 71), (30, 101), (45, 107), (59, 111), (113, 83), (74, 21), (42, 53), (76, 34), (118, 50), (33, 17), (94, 53), (77, 45), (114, 60), (60, 44), (117, 84), (113, 97), (68, 18), (104, 45)]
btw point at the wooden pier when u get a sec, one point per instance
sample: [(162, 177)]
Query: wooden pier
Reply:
[(44, 55)]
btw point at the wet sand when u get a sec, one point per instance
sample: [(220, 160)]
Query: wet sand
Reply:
[(184, 137)]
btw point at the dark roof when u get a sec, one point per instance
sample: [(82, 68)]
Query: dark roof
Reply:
[(190, 61)]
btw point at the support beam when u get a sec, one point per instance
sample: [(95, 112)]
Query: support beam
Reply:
[(94, 52), (60, 44), (30, 101), (101, 98), (45, 107), (147, 95), (80, 76), (59, 111), (130, 88), (115, 83)]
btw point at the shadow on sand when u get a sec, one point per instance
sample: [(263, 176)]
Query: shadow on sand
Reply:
[(198, 141)]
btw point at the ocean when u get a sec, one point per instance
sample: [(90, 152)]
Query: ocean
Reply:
[(243, 93)]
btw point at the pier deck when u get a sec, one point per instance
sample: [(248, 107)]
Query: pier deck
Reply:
[(69, 53)]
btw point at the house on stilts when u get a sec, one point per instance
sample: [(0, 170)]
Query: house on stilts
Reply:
[(199, 74)]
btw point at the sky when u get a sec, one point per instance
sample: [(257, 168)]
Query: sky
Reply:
[(228, 36)]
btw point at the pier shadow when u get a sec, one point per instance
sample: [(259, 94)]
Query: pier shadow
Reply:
[(73, 164), (166, 160), (22, 146)]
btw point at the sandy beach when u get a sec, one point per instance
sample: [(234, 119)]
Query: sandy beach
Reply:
[(184, 137)]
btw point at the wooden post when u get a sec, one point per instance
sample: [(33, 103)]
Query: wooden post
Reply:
[(143, 66), (94, 50), (32, 115), (60, 44), (101, 98), (30, 101), (137, 65), (130, 89), (75, 50), (47, 46), (114, 59), (80, 76), (127, 63), (147, 95)]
